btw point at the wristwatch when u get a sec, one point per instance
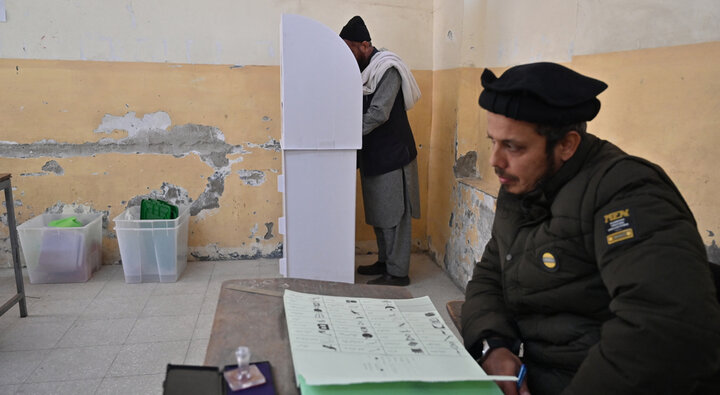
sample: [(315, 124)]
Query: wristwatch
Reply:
[(491, 343)]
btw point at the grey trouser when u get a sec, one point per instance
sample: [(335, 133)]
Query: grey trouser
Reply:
[(394, 244)]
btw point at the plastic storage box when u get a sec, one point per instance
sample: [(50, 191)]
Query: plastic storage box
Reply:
[(152, 250), (61, 255)]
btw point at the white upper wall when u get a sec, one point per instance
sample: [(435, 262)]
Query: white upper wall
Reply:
[(243, 32), (640, 24), (496, 33), (427, 34)]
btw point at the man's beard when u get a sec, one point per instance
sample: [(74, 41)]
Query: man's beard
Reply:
[(363, 63), (549, 172)]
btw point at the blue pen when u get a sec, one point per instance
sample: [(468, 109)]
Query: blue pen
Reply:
[(521, 375)]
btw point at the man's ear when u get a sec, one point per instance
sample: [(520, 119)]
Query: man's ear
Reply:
[(568, 145)]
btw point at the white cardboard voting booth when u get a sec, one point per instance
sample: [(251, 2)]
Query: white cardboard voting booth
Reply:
[(321, 133)]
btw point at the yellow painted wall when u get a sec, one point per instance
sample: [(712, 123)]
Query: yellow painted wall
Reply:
[(662, 104), (66, 101)]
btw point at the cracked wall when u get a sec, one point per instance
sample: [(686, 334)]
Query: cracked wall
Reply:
[(105, 135), (470, 226), (83, 137)]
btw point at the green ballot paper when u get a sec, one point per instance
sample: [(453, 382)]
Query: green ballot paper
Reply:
[(157, 209), (70, 222)]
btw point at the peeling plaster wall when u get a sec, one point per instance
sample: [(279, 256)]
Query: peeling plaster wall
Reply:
[(95, 117), (470, 228), (101, 136), (106, 103)]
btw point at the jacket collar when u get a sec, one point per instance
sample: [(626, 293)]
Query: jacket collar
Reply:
[(535, 204), (569, 169)]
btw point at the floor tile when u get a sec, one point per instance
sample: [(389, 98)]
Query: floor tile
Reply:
[(214, 287), (48, 305), (184, 286), (144, 359), (268, 268), (198, 270), (161, 305), (83, 291), (162, 329), (196, 352), (97, 332), (209, 303), (145, 385), (75, 364), (230, 270), (203, 326), (116, 307), (107, 273), (10, 317), (35, 333), (115, 289), (72, 387), (71, 342), (16, 366)]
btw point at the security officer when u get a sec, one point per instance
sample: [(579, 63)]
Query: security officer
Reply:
[(595, 276)]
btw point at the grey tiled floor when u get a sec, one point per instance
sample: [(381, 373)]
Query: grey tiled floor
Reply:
[(108, 337)]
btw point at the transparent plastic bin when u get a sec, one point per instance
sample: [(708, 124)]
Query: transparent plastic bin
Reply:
[(61, 255), (152, 250)]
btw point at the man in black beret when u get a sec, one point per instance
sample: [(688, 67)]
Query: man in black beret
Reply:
[(387, 160), (595, 277)]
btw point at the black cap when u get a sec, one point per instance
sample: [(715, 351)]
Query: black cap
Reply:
[(355, 30), (544, 93)]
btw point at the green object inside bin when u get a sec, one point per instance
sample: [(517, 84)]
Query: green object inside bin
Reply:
[(157, 209), (70, 222)]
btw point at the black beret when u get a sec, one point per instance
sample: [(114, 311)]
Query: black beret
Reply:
[(543, 93), (355, 30)]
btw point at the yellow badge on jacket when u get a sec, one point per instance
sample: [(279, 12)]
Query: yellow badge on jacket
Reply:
[(549, 261), (618, 226)]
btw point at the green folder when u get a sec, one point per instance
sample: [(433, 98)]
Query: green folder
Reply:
[(403, 388)]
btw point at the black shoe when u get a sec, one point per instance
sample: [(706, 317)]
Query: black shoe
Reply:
[(389, 279), (375, 268)]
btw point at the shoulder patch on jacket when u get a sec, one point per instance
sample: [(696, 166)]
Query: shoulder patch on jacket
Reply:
[(618, 226)]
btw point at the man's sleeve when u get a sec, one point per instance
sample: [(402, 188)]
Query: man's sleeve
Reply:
[(382, 102), (483, 313), (665, 333)]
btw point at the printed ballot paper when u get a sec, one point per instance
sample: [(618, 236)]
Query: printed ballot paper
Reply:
[(345, 340)]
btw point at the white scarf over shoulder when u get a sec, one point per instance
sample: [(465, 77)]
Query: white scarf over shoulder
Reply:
[(379, 64)]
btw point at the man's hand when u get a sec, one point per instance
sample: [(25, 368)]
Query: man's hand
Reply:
[(502, 362)]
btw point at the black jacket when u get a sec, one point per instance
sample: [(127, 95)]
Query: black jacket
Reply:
[(602, 274)]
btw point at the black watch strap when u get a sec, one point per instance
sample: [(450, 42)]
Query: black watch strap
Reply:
[(481, 349)]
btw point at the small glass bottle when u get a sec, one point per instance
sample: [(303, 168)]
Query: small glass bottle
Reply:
[(243, 361)]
